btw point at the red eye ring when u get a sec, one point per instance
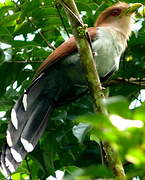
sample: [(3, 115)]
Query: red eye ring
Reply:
[(116, 12)]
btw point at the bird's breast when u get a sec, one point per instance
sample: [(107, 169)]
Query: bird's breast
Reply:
[(107, 51)]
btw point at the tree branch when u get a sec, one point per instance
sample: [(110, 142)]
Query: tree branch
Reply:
[(130, 81), (81, 36), (61, 18), (40, 33)]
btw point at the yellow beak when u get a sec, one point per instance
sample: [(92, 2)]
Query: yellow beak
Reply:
[(133, 7)]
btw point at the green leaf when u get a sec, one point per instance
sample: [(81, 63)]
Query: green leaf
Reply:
[(49, 152), (5, 35), (136, 156), (2, 56), (118, 105), (9, 20)]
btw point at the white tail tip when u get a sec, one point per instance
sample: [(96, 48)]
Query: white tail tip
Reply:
[(9, 165), (27, 145), (25, 102), (9, 139), (16, 155), (14, 118)]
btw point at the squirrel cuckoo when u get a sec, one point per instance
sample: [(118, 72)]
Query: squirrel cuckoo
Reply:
[(61, 79)]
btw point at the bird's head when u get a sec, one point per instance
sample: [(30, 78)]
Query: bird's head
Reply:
[(119, 16)]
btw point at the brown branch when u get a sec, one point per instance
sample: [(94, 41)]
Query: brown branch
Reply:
[(23, 62), (131, 81)]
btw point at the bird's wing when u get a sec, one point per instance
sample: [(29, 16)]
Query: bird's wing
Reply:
[(63, 50)]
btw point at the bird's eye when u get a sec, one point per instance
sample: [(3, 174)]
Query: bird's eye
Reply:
[(116, 12)]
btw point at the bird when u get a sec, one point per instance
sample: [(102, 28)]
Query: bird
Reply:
[(60, 79)]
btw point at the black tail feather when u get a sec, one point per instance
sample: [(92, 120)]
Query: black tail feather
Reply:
[(29, 119), (36, 126)]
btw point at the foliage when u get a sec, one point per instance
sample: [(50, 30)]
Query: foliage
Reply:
[(70, 143)]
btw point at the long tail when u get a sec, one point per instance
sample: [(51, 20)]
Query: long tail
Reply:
[(29, 118)]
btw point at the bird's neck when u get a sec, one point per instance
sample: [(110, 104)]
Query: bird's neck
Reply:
[(124, 26), (124, 32)]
